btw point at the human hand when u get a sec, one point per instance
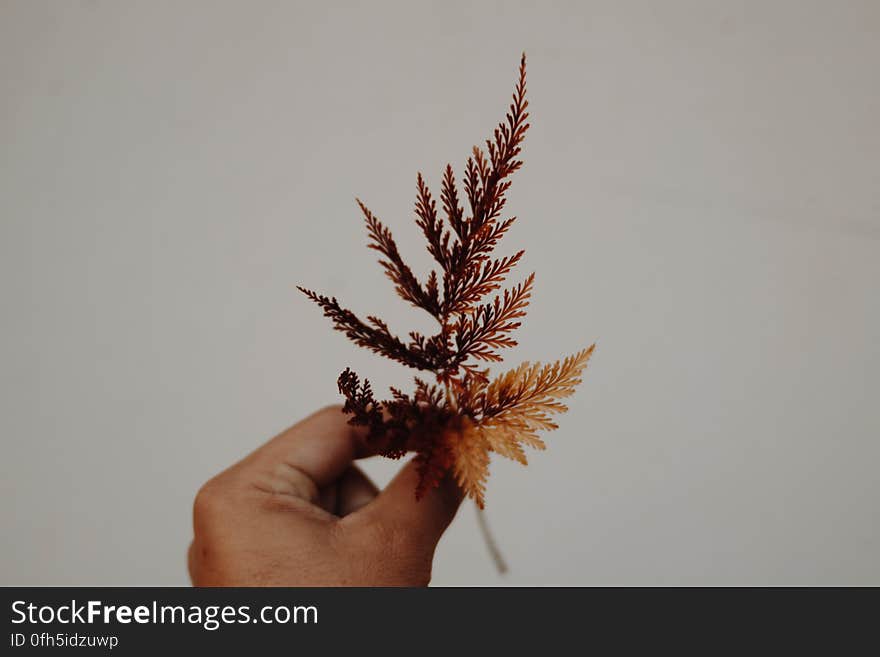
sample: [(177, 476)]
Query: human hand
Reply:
[(298, 512)]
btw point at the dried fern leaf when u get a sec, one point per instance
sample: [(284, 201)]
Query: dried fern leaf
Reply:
[(455, 424)]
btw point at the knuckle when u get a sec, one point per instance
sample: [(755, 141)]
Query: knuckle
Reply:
[(287, 481), (208, 499), (329, 410)]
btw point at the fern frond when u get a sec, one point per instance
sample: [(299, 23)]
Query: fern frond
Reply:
[(485, 184), (482, 280), (365, 411), (451, 204), (374, 336), (455, 424), (405, 282), (481, 334), (506, 441), (431, 224), (525, 397), (471, 461), (433, 461)]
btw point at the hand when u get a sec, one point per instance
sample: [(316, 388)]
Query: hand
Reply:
[(297, 512)]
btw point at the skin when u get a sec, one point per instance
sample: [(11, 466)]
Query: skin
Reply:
[(299, 512)]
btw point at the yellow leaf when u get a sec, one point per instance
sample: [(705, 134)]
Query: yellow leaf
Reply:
[(471, 465)]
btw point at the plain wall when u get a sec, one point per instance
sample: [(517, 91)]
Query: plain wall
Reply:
[(701, 196)]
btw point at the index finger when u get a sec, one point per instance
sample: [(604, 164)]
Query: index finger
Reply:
[(321, 447)]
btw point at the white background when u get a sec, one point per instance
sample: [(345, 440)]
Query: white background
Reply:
[(701, 196)]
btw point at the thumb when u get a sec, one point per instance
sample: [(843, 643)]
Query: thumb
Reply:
[(423, 520)]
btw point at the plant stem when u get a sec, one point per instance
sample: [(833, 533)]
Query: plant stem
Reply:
[(491, 545)]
